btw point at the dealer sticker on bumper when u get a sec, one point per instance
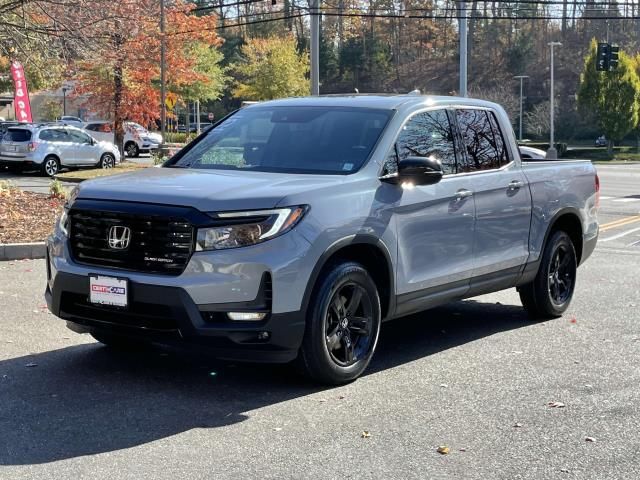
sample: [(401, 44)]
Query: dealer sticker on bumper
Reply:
[(108, 291)]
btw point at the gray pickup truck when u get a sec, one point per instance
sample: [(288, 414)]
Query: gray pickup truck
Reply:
[(291, 229)]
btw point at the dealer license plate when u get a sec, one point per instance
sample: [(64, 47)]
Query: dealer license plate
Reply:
[(108, 290)]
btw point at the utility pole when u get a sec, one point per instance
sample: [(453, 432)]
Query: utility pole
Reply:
[(521, 78), (163, 91), (552, 153), (462, 26), (64, 100), (315, 46)]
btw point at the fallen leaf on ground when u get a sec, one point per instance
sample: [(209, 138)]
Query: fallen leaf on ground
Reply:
[(555, 404), (590, 439), (277, 429), (444, 385), (573, 320), (443, 450), (341, 397), (365, 434), (518, 425), (564, 470)]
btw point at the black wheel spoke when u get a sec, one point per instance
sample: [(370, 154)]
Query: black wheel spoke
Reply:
[(355, 300), (359, 326)]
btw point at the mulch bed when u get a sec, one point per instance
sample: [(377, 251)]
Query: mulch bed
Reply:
[(27, 216)]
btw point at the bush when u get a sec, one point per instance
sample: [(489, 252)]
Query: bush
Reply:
[(178, 137), (57, 190), (7, 186)]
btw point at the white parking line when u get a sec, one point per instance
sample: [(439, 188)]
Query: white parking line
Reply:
[(626, 200), (603, 197), (620, 235)]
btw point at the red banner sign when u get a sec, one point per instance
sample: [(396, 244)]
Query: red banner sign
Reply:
[(21, 95)]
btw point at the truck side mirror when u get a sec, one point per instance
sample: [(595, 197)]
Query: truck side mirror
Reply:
[(417, 170)]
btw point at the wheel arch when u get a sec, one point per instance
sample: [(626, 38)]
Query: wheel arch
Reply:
[(568, 220), (372, 254)]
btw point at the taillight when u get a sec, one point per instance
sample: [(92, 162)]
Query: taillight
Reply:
[(597, 191), (32, 146)]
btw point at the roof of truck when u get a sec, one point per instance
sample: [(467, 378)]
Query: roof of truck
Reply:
[(381, 101)]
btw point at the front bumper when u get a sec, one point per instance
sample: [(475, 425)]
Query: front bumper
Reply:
[(168, 315), (190, 308)]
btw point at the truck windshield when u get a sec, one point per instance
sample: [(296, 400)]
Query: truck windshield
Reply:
[(327, 140)]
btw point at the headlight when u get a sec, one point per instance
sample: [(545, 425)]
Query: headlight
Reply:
[(239, 229), (63, 223)]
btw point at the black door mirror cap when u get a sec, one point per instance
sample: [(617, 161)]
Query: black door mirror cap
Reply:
[(416, 171)]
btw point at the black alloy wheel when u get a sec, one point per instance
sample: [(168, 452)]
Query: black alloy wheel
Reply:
[(349, 322), (342, 325), (550, 293)]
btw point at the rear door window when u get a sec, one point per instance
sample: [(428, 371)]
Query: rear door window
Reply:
[(482, 141), (17, 135)]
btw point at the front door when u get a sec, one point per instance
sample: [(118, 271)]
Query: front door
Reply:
[(85, 151), (435, 223)]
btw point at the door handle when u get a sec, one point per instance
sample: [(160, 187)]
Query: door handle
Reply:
[(463, 193), (515, 185)]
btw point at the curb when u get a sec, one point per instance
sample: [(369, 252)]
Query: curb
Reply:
[(21, 251)]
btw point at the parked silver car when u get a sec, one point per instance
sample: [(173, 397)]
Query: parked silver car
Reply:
[(51, 147)]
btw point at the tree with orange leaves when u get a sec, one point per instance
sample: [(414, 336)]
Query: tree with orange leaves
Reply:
[(121, 77)]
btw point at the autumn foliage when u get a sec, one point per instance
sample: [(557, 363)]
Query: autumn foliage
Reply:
[(122, 76)]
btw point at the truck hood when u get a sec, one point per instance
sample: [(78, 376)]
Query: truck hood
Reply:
[(205, 190)]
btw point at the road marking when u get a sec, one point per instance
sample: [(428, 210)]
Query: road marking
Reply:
[(620, 235), (620, 223), (626, 200), (603, 197)]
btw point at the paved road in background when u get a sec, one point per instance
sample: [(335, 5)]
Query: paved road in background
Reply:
[(476, 376)]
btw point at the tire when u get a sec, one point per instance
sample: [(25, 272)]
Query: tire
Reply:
[(107, 161), (340, 338), (131, 150), (550, 293), (50, 166), (118, 342)]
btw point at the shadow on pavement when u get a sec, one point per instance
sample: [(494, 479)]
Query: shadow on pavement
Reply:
[(88, 399)]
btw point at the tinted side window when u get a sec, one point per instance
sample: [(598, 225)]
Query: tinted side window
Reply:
[(79, 137), (479, 141), (46, 135), (425, 134), (93, 127), (501, 146)]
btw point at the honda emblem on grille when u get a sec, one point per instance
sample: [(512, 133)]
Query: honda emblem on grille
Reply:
[(119, 237)]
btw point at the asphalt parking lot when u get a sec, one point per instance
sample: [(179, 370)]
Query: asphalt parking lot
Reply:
[(476, 376)]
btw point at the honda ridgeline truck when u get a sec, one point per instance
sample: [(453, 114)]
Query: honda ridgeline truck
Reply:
[(293, 228)]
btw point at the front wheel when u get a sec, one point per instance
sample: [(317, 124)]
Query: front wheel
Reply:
[(550, 293), (107, 161), (132, 150), (343, 325)]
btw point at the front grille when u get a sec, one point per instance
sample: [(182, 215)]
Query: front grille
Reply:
[(158, 244)]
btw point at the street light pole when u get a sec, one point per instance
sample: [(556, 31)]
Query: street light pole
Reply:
[(462, 26), (64, 100), (521, 78), (163, 91), (552, 153), (315, 47)]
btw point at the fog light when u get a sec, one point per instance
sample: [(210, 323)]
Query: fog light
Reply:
[(263, 336), (246, 316)]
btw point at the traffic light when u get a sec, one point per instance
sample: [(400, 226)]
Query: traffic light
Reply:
[(613, 57), (602, 57)]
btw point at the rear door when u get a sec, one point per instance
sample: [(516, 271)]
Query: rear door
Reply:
[(435, 223), (502, 200), (59, 144)]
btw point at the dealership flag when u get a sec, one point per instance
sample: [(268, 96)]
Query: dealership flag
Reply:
[(21, 96)]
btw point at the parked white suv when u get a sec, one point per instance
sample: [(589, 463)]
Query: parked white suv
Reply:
[(51, 147), (137, 139)]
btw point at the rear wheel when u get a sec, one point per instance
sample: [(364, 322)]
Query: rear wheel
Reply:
[(550, 293), (107, 161), (119, 342), (50, 166), (343, 325), (132, 150)]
